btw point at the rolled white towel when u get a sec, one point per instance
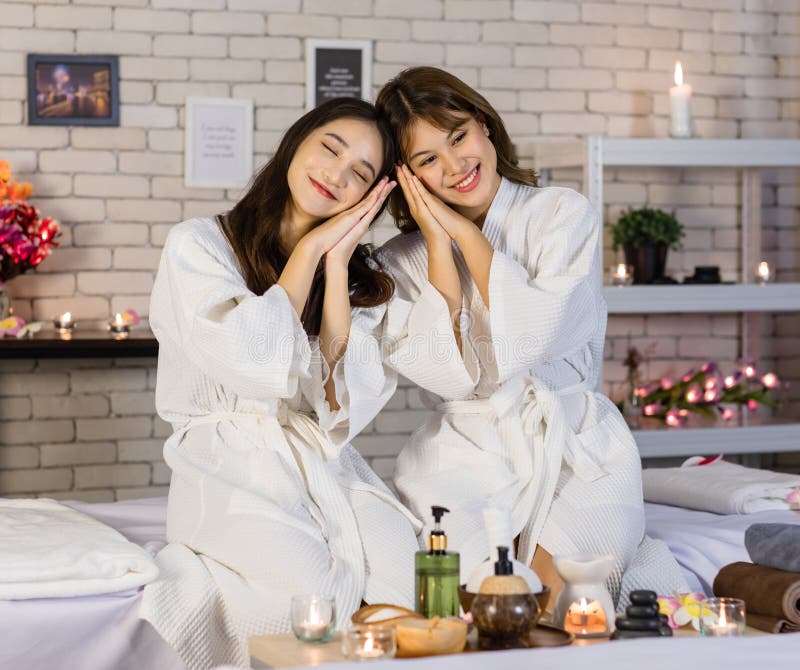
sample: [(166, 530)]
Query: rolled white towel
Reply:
[(720, 487), (48, 550)]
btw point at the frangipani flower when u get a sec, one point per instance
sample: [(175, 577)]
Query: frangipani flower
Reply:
[(11, 326), (130, 317), (684, 608)]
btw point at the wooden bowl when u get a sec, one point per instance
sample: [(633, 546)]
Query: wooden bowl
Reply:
[(383, 614), (430, 637)]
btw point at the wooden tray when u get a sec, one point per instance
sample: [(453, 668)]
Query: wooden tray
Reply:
[(286, 651)]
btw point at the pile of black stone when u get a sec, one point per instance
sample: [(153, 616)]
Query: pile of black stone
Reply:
[(642, 618)]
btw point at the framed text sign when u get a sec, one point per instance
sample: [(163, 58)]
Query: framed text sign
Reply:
[(338, 69), (219, 142)]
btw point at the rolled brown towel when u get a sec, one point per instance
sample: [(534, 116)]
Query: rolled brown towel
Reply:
[(772, 595)]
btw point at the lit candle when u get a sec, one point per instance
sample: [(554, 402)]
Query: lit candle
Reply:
[(621, 275), (369, 650), (680, 112), (119, 327), (585, 618), (314, 628), (65, 325), (764, 273)]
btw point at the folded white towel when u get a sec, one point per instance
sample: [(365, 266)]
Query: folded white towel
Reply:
[(724, 488), (48, 550)]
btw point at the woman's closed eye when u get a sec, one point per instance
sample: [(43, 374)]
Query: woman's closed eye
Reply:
[(356, 172), (427, 161), (457, 139)]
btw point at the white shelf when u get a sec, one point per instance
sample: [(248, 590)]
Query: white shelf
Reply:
[(766, 438), (661, 299), (617, 151)]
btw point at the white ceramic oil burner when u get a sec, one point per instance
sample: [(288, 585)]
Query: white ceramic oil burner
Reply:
[(584, 607)]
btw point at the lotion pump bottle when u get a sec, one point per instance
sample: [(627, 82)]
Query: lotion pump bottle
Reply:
[(436, 572)]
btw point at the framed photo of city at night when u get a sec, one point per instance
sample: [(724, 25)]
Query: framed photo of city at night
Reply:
[(73, 90)]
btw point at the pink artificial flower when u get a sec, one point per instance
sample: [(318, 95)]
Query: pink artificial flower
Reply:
[(770, 380)]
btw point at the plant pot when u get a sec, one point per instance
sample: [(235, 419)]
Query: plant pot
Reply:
[(649, 262)]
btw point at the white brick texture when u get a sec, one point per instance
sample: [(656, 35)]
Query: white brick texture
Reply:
[(86, 429)]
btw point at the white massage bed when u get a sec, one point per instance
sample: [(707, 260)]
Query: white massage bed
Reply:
[(103, 632)]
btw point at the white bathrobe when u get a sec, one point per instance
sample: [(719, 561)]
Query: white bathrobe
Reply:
[(267, 500), (519, 424)]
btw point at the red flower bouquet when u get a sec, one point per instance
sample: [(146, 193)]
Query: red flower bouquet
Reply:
[(25, 239)]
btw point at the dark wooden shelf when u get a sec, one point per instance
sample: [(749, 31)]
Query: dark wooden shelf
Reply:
[(82, 344)]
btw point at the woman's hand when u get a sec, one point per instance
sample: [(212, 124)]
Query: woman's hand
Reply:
[(339, 254), (431, 214), (435, 235), (325, 236)]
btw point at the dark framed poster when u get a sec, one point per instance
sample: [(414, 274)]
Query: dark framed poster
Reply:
[(338, 69), (68, 90)]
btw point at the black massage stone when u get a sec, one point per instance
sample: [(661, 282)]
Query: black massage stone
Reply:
[(641, 611), (643, 597), (638, 624)]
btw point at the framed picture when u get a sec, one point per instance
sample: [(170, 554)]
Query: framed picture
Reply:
[(337, 69), (73, 90), (219, 142)]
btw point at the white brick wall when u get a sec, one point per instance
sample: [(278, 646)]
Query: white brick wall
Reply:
[(555, 69)]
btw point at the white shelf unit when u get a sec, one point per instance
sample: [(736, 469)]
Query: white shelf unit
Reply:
[(666, 299), (593, 154)]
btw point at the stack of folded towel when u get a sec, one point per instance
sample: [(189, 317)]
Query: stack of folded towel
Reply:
[(770, 585), (714, 485), (48, 550)]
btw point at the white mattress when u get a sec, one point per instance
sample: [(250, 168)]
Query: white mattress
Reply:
[(99, 632), (96, 632)]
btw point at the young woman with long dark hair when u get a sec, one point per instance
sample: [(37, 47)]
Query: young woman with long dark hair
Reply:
[(503, 277), (256, 312)]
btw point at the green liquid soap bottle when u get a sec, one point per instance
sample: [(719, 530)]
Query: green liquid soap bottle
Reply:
[(437, 572)]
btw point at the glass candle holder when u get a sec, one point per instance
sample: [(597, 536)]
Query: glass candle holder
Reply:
[(620, 275), (313, 617), (722, 617), (118, 327), (64, 324), (765, 274), (369, 643)]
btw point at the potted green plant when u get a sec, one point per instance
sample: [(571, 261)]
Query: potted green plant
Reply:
[(646, 234)]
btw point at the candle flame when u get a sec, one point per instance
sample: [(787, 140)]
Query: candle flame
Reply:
[(678, 73), (314, 615), (369, 643), (723, 619), (66, 316), (118, 320), (584, 606)]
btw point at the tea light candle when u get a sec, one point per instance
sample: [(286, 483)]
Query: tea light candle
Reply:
[(764, 273), (369, 643), (64, 322), (368, 650), (585, 618), (726, 617), (119, 327), (621, 275), (313, 617), (680, 111)]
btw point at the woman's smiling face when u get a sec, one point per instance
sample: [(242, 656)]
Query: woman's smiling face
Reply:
[(333, 168), (459, 166)]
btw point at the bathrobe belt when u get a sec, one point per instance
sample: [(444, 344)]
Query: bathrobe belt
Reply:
[(537, 435)]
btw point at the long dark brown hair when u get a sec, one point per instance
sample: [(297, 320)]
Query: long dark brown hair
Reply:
[(253, 226), (442, 100)]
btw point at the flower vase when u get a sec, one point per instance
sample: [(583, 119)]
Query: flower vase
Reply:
[(5, 303)]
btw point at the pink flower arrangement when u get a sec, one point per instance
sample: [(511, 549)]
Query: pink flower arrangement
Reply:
[(708, 392), (25, 239)]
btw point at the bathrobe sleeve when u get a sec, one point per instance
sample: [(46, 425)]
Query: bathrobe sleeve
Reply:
[(363, 383), (253, 344), (548, 305), (418, 337)]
